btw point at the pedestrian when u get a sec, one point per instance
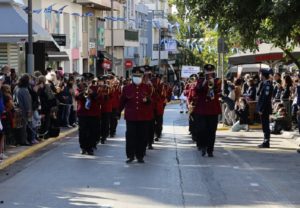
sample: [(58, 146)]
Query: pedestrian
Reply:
[(264, 105), (136, 100), (207, 110)]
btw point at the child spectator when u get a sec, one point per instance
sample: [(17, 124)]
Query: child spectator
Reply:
[(242, 111), (280, 121)]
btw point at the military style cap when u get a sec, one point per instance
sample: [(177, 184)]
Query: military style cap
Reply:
[(137, 70), (266, 71), (209, 68)]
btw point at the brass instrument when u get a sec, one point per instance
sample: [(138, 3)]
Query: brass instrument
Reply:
[(210, 93), (211, 83)]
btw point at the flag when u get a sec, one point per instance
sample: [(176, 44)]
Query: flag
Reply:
[(60, 11), (177, 25), (37, 11), (25, 9), (76, 14), (121, 19), (88, 14), (49, 9)]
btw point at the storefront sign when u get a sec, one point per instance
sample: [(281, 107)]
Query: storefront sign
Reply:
[(60, 39), (106, 65), (100, 35)]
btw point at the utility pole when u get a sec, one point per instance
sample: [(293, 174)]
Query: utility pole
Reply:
[(30, 55), (112, 35), (159, 40)]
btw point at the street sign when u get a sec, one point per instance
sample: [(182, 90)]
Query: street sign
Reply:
[(128, 64), (187, 71)]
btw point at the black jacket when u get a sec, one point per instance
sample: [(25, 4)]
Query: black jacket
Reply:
[(243, 115)]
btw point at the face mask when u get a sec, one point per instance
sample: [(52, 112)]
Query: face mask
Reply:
[(137, 80)]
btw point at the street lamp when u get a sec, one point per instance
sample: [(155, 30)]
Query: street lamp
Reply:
[(30, 55)]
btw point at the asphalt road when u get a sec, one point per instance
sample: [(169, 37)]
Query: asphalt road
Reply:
[(174, 175)]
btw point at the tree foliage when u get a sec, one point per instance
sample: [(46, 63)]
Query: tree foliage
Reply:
[(250, 21)]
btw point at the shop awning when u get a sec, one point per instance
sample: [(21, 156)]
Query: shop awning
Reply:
[(57, 56), (266, 53), (14, 23)]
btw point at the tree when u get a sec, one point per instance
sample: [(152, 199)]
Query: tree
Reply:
[(251, 21)]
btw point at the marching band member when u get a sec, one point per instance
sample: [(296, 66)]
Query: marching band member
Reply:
[(106, 107), (207, 109), (88, 111), (116, 94), (136, 100)]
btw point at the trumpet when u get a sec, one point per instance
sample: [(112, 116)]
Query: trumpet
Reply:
[(211, 83)]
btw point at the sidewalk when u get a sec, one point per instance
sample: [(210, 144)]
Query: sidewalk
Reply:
[(18, 153)]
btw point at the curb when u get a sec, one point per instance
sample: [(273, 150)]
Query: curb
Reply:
[(227, 128), (21, 155)]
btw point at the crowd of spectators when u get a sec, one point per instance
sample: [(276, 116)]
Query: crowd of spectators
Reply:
[(241, 95), (35, 107)]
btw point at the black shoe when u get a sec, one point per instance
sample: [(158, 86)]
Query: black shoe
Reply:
[(156, 139), (203, 152), (130, 160), (298, 150), (264, 145), (150, 147), (102, 141), (90, 152), (210, 154), (181, 111), (140, 160)]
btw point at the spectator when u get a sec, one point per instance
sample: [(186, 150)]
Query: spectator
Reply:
[(245, 85), (280, 121), (2, 108), (229, 113), (242, 111), (7, 116), (23, 100), (251, 92)]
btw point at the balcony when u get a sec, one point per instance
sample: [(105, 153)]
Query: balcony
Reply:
[(100, 4)]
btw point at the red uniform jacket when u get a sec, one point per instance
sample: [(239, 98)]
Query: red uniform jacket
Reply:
[(106, 104), (116, 98), (95, 103), (132, 101), (204, 106), (159, 97)]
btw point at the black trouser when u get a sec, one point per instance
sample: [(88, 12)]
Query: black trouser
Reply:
[(206, 127), (192, 127), (136, 138), (158, 125), (88, 127), (151, 130), (105, 121), (266, 126), (113, 122)]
